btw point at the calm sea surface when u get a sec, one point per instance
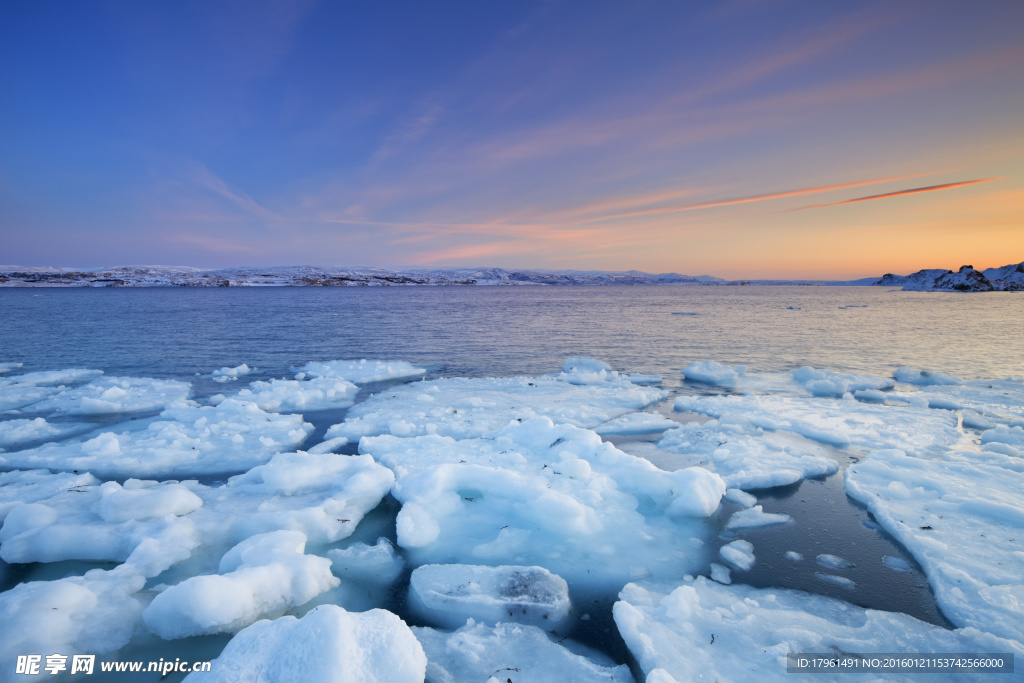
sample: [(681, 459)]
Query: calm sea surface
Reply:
[(483, 331)]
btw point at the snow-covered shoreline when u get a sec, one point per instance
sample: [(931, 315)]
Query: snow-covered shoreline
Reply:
[(1004, 278)]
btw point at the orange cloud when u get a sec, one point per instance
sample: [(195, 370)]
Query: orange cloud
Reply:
[(747, 200), (900, 193)]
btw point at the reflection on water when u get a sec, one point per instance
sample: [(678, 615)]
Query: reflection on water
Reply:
[(480, 331)]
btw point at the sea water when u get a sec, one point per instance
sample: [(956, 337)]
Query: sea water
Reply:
[(506, 331)]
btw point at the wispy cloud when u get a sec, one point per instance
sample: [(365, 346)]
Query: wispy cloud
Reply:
[(204, 177), (656, 211), (900, 193)]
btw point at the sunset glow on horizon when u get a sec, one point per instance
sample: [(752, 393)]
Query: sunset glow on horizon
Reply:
[(739, 139)]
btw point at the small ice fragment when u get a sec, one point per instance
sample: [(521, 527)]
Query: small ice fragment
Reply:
[(720, 573), (711, 372), (329, 446), (910, 375), (794, 556), (840, 581), (870, 395), (374, 563), (741, 498), (755, 516), (451, 593), (740, 554), (897, 563), (637, 378), (870, 525), (228, 374), (834, 562)]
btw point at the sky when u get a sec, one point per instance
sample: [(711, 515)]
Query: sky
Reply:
[(741, 138)]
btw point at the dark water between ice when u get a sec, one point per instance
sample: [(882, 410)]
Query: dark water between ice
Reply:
[(476, 332)]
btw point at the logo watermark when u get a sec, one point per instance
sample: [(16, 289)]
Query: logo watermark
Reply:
[(34, 665)]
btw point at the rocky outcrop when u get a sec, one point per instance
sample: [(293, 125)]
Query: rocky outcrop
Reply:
[(1006, 278)]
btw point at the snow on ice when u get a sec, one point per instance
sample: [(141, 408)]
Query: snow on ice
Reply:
[(360, 371), (478, 652), (556, 496), (703, 630), (186, 439), (510, 503), (465, 408), (449, 594), (961, 516), (327, 645), (260, 577)]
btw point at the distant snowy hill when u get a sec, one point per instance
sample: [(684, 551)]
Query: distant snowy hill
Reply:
[(326, 276), (1006, 278), (1010, 278)]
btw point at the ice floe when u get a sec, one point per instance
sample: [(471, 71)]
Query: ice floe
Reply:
[(745, 455), (112, 396), (834, 561), (377, 563), (897, 563), (466, 408), (186, 439), (19, 391), (961, 516), (553, 496), (323, 496), (328, 645), (20, 432), (92, 614), (755, 517), (703, 630), (360, 371), (449, 594), (293, 396), (712, 372), (229, 374), (739, 553), (260, 577), (635, 423), (29, 486), (478, 652), (843, 422)]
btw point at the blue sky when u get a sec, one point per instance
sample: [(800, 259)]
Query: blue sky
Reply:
[(725, 138)]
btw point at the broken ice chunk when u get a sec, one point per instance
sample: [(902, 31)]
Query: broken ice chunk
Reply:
[(327, 644), (477, 652), (260, 577), (712, 372), (449, 594), (755, 516), (740, 554)]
